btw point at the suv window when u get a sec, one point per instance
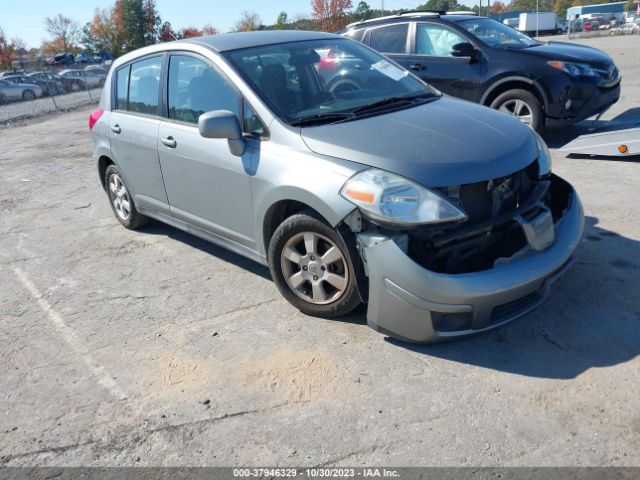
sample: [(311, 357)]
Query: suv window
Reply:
[(144, 85), (388, 39), (436, 40), (196, 87)]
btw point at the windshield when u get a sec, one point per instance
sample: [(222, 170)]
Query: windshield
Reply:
[(496, 34), (322, 81)]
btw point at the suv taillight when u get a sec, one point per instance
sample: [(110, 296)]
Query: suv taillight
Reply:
[(94, 117)]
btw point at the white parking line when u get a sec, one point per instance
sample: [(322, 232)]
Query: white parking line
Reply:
[(71, 338)]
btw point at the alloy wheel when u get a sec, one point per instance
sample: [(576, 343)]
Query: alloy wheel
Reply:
[(119, 197), (314, 268), (519, 109)]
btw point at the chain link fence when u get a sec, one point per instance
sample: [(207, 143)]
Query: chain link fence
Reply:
[(36, 88), (598, 24)]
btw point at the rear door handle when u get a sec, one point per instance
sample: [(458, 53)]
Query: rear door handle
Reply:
[(116, 129), (417, 67), (169, 142)]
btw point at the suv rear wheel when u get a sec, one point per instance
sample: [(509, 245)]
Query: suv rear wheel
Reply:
[(311, 266), (522, 105)]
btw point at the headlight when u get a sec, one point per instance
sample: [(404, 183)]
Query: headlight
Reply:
[(544, 156), (573, 69), (394, 199)]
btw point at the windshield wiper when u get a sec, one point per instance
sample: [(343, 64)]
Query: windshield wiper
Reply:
[(321, 118), (410, 99)]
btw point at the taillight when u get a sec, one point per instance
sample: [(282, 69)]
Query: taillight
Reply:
[(329, 62), (94, 117)]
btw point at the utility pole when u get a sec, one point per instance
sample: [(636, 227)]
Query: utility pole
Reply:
[(382, 7), (537, 20)]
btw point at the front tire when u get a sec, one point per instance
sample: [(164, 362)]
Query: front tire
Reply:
[(121, 200), (28, 95), (312, 267), (523, 105)]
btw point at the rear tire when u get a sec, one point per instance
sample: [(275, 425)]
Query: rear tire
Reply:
[(121, 200), (28, 95), (522, 105), (312, 267)]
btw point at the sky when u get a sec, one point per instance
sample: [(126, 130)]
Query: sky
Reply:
[(25, 20)]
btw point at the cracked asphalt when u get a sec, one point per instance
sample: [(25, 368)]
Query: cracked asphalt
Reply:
[(156, 348)]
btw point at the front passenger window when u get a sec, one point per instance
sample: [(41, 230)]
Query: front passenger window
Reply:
[(436, 40), (196, 87)]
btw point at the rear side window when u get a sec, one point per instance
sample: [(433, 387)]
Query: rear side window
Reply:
[(389, 39), (122, 87), (144, 86), (196, 87)]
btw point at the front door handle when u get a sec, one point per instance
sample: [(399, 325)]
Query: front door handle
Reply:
[(169, 142), (418, 67), (116, 129)]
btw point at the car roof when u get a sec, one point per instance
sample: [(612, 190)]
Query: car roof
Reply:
[(237, 41)]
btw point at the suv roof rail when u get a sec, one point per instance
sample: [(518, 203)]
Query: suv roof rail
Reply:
[(423, 12), (462, 12), (430, 13)]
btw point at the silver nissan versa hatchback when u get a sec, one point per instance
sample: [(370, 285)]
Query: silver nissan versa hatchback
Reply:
[(442, 215)]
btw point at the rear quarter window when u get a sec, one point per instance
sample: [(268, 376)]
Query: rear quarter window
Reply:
[(122, 87)]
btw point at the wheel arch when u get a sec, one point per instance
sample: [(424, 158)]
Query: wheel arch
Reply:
[(103, 163), (511, 83), (291, 200)]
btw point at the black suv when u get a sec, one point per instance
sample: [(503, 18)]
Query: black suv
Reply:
[(545, 84)]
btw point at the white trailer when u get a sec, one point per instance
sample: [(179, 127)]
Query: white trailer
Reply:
[(537, 23), (617, 143)]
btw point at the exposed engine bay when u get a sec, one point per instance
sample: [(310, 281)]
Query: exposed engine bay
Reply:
[(507, 216)]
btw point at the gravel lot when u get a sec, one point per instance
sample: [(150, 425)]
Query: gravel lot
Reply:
[(156, 348)]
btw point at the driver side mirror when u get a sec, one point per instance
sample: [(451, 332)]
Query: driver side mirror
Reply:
[(464, 50), (223, 124)]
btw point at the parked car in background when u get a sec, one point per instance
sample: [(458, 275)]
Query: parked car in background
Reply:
[(17, 91), (544, 84), (63, 59), (442, 214), (102, 57), (97, 69), (84, 58), (51, 83), (23, 79), (76, 80)]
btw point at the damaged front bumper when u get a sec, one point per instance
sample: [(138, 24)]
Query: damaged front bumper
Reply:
[(413, 303)]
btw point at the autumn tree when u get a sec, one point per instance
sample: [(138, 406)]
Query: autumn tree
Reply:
[(497, 7), (152, 22), (7, 50), (331, 14), (64, 32), (248, 22), (167, 33), (209, 30), (190, 32)]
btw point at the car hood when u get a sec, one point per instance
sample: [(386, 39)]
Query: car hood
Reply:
[(441, 143), (570, 52)]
